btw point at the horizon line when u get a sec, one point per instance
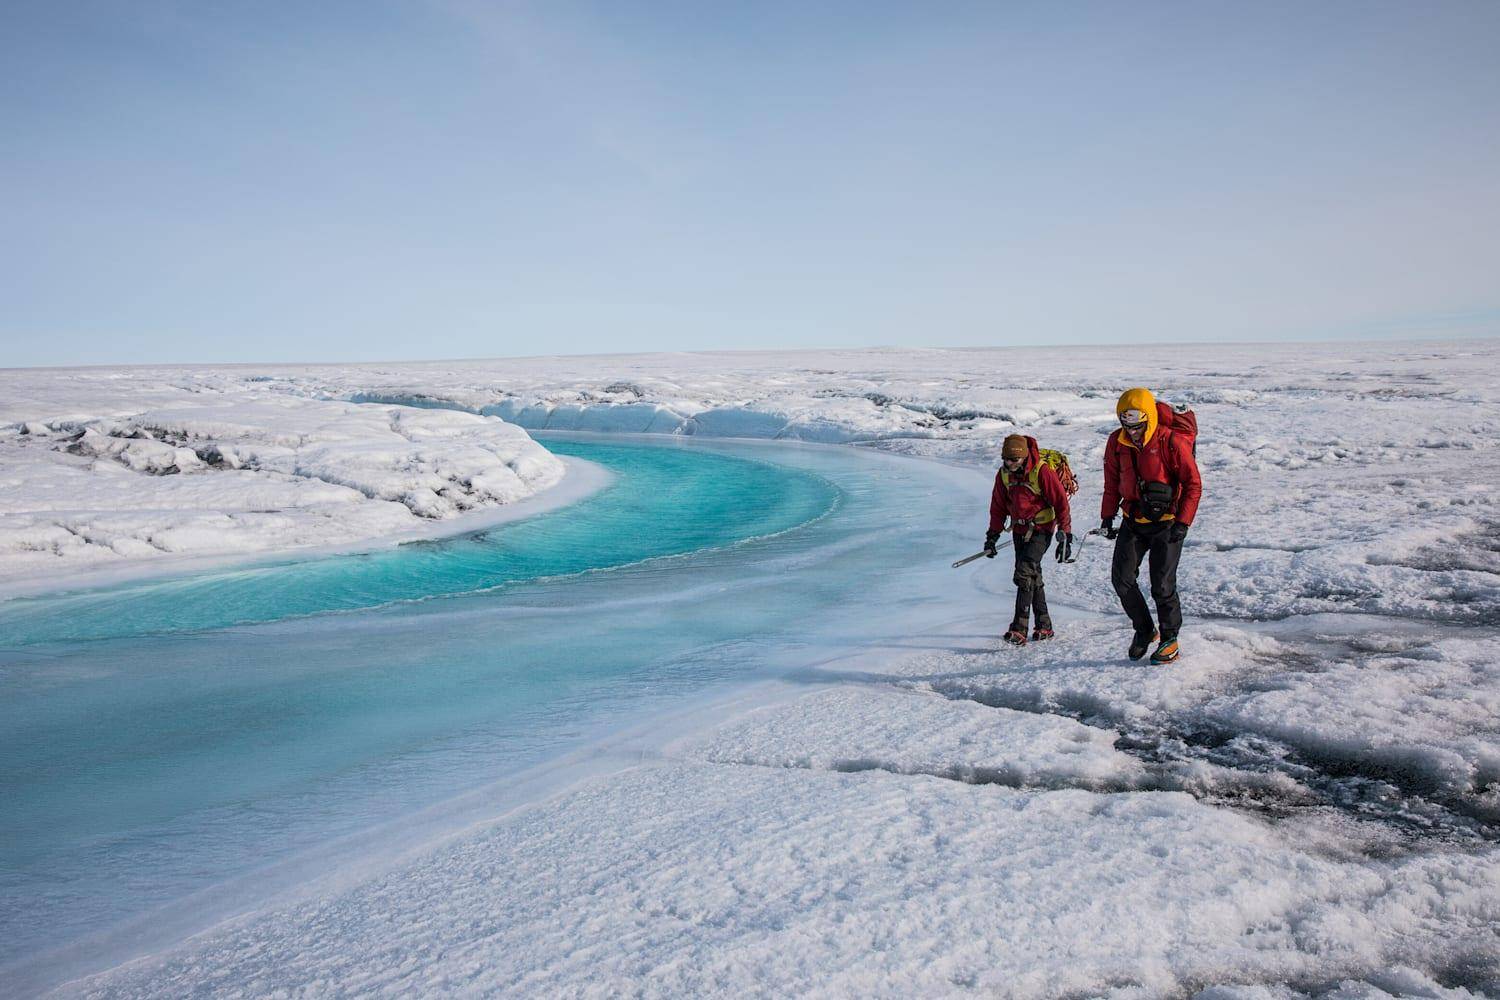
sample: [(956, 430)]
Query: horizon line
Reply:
[(1392, 340)]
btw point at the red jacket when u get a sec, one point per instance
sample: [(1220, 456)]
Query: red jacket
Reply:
[(1164, 458), (1018, 502)]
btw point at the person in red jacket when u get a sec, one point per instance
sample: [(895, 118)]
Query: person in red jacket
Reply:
[(1029, 493), (1150, 475)]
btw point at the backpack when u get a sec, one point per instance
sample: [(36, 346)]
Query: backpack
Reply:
[(1179, 420), (1155, 499), (1059, 463)]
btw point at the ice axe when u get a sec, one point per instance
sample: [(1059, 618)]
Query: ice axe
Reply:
[(1079, 547), (980, 554)]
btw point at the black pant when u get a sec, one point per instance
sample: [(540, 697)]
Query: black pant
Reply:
[(1031, 594), (1133, 543)]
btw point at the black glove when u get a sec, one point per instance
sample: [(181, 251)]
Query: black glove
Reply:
[(1177, 532), (989, 543), (1107, 528), (1065, 546)]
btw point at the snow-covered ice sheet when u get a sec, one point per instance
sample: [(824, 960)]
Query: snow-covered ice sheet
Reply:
[(846, 729), (691, 879), (1408, 735), (1339, 477), (234, 472), (901, 832), (1305, 805)]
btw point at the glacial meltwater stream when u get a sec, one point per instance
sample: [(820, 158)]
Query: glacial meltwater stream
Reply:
[(160, 741)]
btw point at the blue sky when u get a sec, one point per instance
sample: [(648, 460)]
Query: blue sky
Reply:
[(211, 181)]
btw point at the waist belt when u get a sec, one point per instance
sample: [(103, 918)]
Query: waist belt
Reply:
[(1045, 517)]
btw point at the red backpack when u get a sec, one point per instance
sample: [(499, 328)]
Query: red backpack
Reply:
[(1180, 420)]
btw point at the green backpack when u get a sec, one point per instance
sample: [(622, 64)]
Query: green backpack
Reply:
[(1059, 463)]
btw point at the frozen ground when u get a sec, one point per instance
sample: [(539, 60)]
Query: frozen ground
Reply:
[(1308, 804), (100, 472)]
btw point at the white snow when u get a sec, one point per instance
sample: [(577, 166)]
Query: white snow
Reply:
[(850, 730), (1308, 804), (724, 880), (87, 484)]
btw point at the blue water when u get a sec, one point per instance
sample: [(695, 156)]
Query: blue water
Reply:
[(159, 739), (665, 502)]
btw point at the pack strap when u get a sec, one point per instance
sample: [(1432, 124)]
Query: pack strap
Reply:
[(1033, 482)]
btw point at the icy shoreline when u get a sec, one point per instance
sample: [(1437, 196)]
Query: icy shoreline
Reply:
[(160, 472), (581, 480)]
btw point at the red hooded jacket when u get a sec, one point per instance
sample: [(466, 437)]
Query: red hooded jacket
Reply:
[(1164, 457), (1018, 502)]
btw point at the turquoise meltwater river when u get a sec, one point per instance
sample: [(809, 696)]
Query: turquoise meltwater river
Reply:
[(667, 502), (168, 741)]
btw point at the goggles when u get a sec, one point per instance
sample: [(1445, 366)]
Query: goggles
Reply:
[(1133, 420)]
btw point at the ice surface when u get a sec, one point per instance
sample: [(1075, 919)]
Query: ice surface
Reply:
[(232, 474), (851, 730), (1342, 477), (1305, 805), (697, 880)]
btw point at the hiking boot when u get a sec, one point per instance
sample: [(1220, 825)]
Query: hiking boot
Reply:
[(1041, 634), (1167, 651), (1141, 643), (1016, 635)]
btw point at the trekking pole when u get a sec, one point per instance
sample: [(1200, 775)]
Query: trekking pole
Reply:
[(968, 559)]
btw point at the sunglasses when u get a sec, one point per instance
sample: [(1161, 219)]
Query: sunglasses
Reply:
[(1134, 427), (1012, 461)]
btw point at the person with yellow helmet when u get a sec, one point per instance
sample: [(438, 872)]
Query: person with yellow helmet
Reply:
[(1151, 476)]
